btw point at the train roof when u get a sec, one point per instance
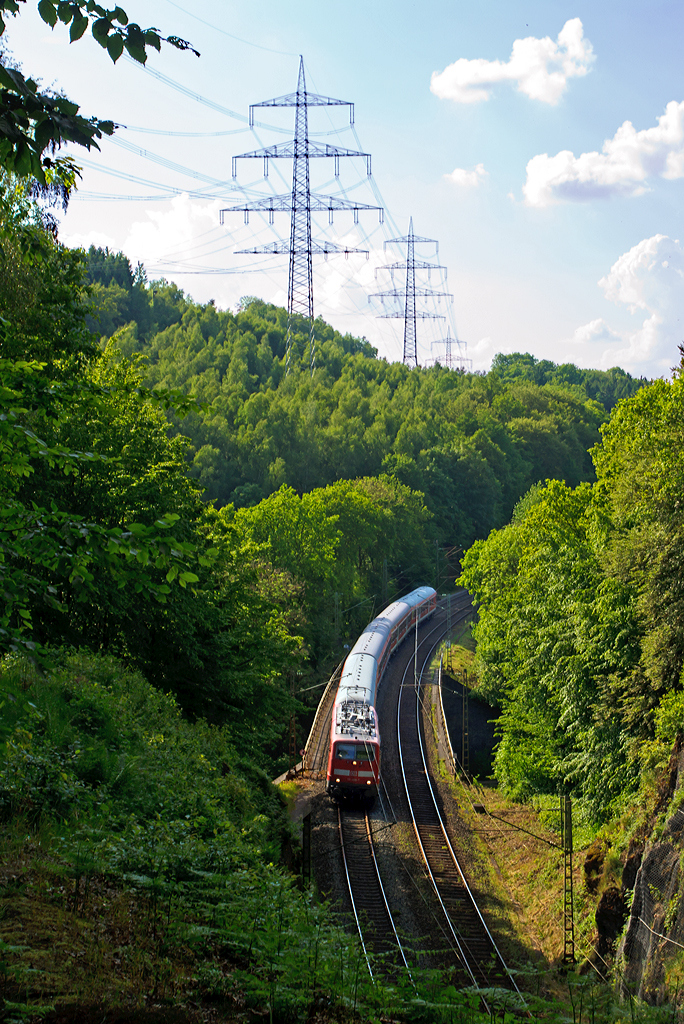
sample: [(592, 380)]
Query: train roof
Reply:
[(355, 720), (358, 680), (390, 615), (373, 639), (375, 635)]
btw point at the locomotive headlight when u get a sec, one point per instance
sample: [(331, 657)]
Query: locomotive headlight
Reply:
[(353, 762), (337, 780), (368, 783)]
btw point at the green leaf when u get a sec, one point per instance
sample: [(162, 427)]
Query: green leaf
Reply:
[(182, 44), (65, 12), (115, 45), (46, 9), (22, 159), (6, 79), (101, 29), (78, 27), (153, 38), (136, 52)]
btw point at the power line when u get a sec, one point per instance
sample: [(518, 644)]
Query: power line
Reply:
[(247, 42), (185, 135), (164, 192), (207, 135), (146, 154), (338, 199), (173, 84)]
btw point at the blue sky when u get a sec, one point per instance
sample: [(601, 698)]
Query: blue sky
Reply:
[(541, 143)]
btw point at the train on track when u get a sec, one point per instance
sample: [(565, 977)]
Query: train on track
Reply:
[(355, 747)]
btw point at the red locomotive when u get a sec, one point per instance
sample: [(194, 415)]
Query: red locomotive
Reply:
[(354, 759)]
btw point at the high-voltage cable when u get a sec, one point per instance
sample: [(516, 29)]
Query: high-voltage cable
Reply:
[(301, 201)]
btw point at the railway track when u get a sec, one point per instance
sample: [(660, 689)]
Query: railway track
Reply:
[(456, 914), (371, 909), (480, 961), (369, 903), (316, 749)]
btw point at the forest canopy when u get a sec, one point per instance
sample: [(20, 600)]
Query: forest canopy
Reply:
[(581, 615), (472, 444), (173, 497)]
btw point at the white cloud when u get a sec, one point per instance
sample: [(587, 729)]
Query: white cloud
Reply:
[(540, 68), (648, 278), (482, 352), (620, 169), (167, 234), (467, 179), (84, 240), (596, 332)]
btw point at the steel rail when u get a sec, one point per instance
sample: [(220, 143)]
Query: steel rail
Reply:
[(462, 945), (453, 930), (369, 832), (445, 727), (351, 893), (451, 849), (319, 727), (372, 902), (366, 877)]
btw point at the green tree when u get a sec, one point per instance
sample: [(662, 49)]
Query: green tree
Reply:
[(553, 635), (34, 124)]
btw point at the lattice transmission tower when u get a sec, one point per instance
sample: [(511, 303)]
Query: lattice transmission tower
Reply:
[(301, 202), (454, 353), (409, 295)]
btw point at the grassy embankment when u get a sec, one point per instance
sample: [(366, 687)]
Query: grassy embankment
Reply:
[(524, 874), (141, 871)]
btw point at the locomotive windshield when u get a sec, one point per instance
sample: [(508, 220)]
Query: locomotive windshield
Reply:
[(354, 752)]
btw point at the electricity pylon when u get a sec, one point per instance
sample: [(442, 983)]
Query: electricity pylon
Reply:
[(455, 360), (301, 201), (409, 293)]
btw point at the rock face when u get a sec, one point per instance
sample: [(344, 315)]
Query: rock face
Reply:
[(655, 932), (610, 919), (593, 865)]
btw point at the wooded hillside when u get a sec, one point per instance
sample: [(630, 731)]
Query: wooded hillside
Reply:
[(472, 444), (581, 632)]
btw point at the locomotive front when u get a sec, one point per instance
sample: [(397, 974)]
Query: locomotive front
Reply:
[(354, 759)]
